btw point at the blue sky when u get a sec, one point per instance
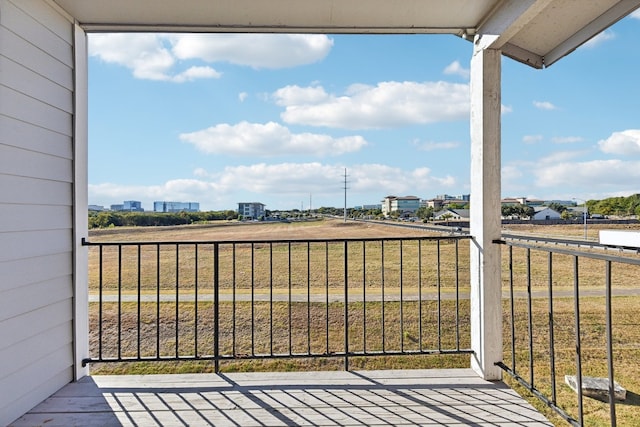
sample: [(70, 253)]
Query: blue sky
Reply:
[(222, 119)]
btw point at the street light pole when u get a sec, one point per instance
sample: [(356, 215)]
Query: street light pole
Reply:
[(585, 213)]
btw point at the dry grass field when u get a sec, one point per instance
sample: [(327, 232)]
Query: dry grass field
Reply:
[(591, 277), (231, 230)]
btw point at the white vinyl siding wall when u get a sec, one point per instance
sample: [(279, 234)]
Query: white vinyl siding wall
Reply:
[(36, 203)]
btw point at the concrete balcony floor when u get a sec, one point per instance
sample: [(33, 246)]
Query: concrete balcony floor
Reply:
[(451, 397)]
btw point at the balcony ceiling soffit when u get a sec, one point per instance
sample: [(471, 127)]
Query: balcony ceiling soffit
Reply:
[(535, 32)]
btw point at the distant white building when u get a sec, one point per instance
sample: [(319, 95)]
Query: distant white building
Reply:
[(405, 204), (451, 214), (251, 210), (544, 212)]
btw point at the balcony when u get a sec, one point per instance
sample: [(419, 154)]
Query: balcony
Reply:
[(370, 332), (382, 398)]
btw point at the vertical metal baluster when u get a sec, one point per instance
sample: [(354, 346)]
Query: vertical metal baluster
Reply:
[(100, 307), (364, 297), (289, 302), (457, 295), (576, 296), (420, 295), (308, 298), (438, 277), (233, 299), (513, 316), (157, 301), (253, 301), (552, 353), (346, 307), (195, 308), (609, 326), (139, 301), (216, 305), (326, 302), (119, 302), (401, 297), (382, 292), (177, 297), (530, 319), (271, 298)]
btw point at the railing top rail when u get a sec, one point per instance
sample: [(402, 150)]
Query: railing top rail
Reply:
[(559, 241), (522, 243), (86, 242)]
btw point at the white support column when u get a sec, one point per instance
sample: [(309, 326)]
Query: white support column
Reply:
[(486, 309), (80, 204)]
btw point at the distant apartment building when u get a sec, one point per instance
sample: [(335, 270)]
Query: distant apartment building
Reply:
[(96, 208), (401, 204), (461, 197), (128, 206), (251, 210), (164, 206), (445, 200)]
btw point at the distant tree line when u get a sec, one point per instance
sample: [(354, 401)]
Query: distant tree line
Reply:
[(351, 212), (106, 219), (620, 206)]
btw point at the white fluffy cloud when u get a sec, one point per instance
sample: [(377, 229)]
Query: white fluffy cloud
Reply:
[(567, 173), (604, 36), (220, 189), (616, 174), (544, 105), (147, 55), (185, 190), (559, 156), (158, 56), (269, 139), (254, 50), (432, 145), (320, 178), (566, 139), (386, 105), (456, 69), (532, 139), (626, 143)]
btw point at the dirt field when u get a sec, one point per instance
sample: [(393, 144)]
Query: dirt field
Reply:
[(328, 228)]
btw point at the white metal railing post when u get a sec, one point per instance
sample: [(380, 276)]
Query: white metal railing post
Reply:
[(486, 309)]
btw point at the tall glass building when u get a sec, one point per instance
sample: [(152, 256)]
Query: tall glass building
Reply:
[(176, 206)]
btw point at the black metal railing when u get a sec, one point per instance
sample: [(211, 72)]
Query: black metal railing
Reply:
[(229, 300), (561, 318)]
